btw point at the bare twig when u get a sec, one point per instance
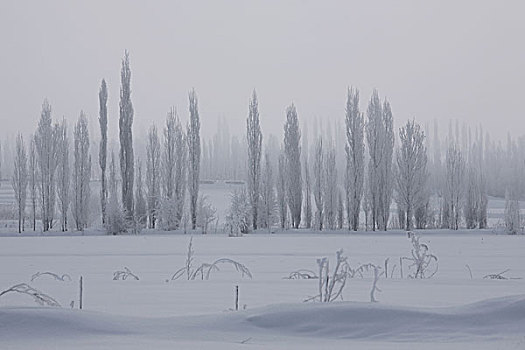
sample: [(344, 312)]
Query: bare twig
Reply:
[(469, 270), (64, 278), (39, 297), (123, 275)]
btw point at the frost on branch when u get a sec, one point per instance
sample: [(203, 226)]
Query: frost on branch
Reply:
[(331, 285), (204, 270), (39, 297), (302, 274), (423, 263), (123, 275), (64, 278)]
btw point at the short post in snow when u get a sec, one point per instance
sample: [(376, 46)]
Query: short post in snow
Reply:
[(236, 298), (81, 290)]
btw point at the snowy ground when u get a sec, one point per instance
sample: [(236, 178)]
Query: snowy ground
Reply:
[(196, 314)]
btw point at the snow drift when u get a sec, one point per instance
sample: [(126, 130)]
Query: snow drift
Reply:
[(488, 320)]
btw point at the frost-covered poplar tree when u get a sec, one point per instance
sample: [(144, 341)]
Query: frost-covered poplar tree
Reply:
[(46, 151), (318, 184), (267, 194), (281, 190), (254, 140), (454, 187), (115, 220), (19, 180), (512, 214), (355, 158), (307, 195), (386, 175), (127, 165), (103, 150), (340, 210), (330, 190), (194, 155), (169, 155), (81, 173), (292, 151), (410, 170), (380, 138), (63, 174), (153, 175), (140, 201), (33, 181), (181, 165)]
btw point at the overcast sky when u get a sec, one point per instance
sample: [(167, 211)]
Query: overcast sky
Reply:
[(439, 60)]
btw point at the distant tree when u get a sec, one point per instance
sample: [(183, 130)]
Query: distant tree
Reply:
[(380, 138), (20, 180), (281, 190), (127, 165), (340, 210), (330, 190), (81, 173), (153, 175), (194, 152), (63, 174), (115, 220), (454, 187), (254, 140), (319, 179), (410, 171), (140, 201), (46, 151), (512, 214), (206, 214), (292, 151), (103, 151), (169, 155), (307, 195), (33, 181), (267, 194), (355, 158)]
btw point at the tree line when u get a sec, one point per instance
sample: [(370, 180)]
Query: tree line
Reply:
[(366, 177)]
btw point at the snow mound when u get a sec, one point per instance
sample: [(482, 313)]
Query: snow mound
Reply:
[(492, 319), (488, 319)]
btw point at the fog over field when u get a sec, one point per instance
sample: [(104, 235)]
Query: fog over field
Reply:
[(280, 175)]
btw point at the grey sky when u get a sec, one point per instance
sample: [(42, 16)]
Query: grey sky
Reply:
[(445, 59)]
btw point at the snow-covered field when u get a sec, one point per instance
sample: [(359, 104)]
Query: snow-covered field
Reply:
[(157, 313)]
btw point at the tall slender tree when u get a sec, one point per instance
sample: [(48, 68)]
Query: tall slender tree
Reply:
[(281, 190), (63, 174), (33, 181), (20, 180), (292, 151), (410, 171), (126, 137), (81, 173), (103, 150), (318, 184), (355, 158), (153, 175), (194, 152), (46, 150), (254, 140)]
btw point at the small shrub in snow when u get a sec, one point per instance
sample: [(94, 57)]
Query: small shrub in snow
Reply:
[(238, 217), (512, 215), (123, 275), (204, 270), (39, 297), (423, 263), (64, 278), (205, 214)]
